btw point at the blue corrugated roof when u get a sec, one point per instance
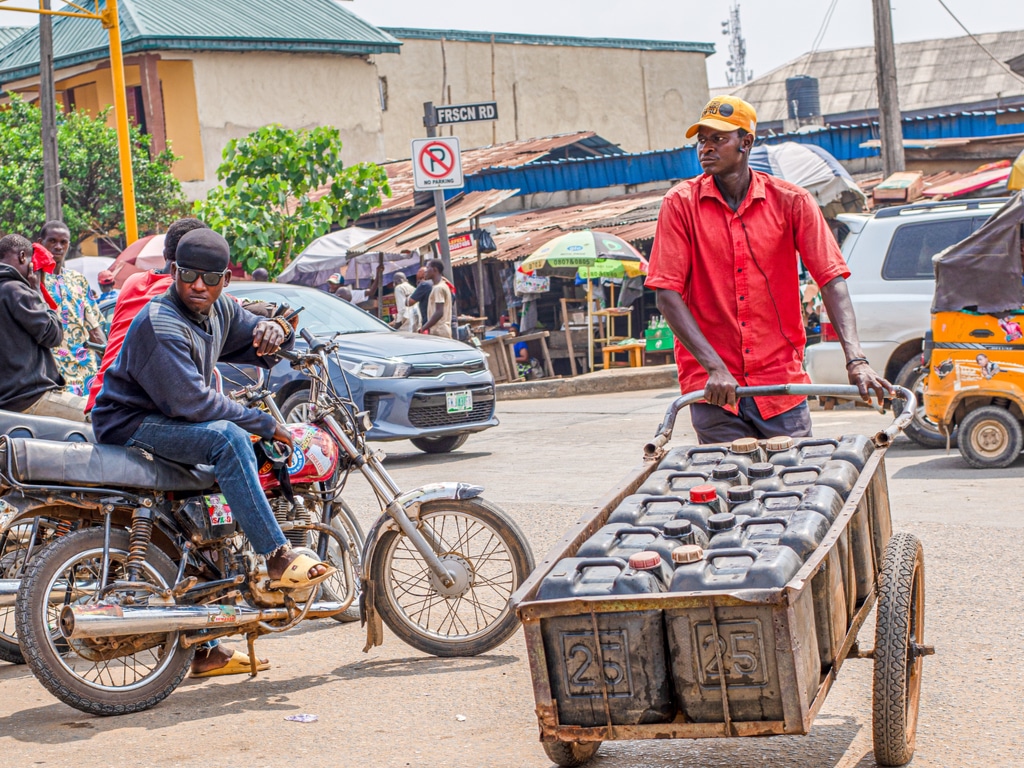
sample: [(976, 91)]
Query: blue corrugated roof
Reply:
[(8, 34), (843, 141), (590, 173), (309, 26), (510, 38)]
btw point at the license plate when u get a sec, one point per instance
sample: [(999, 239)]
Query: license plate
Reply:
[(459, 402)]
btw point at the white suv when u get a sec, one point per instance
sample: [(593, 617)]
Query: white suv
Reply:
[(891, 286)]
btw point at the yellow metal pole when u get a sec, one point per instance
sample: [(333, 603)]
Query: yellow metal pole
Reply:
[(124, 148)]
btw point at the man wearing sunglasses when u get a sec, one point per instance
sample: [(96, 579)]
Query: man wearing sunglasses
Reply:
[(157, 395)]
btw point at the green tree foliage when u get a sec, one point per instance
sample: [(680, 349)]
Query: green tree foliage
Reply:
[(268, 207), (89, 172)]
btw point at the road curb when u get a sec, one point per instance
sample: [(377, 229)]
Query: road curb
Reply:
[(596, 383)]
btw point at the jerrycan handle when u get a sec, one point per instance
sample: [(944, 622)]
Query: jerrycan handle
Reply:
[(661, 500), (715, 554), (630, 530), (691, 452), (800, 470), (782, 494), (810, 442), (678, 475), (599, 562), (764, 521)]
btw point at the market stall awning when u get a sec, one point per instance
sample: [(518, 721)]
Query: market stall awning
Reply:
[(421, 230)]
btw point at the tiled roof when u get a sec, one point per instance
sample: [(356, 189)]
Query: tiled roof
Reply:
[(947, 74), (319, 26)]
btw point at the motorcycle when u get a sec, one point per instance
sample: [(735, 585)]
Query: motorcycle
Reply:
[(109, 615)]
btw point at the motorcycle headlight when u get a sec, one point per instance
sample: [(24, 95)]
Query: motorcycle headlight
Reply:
[(376, 369)]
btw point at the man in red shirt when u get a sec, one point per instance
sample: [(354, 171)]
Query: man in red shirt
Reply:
[(135, 294), (724, 264)]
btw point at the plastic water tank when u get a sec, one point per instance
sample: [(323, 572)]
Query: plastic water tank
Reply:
[(802, 97)]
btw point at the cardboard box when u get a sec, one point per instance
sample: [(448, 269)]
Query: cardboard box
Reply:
[(902, 187)]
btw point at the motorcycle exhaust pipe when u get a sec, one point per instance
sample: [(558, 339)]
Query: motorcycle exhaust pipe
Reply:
[(88, 621)]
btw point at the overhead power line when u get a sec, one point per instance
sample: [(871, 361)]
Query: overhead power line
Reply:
[(979, 43)]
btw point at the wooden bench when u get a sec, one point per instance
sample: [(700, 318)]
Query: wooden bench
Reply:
[(540, 337)]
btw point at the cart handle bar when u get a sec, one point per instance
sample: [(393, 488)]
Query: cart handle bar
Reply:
[(881, 440)]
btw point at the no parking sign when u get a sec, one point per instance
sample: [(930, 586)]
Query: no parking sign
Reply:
[(436, 164)]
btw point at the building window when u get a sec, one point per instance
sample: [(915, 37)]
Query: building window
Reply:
[(382, 87), (136, 107)]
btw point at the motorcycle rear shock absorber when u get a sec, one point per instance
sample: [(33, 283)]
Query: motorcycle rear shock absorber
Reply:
[(138, 542)]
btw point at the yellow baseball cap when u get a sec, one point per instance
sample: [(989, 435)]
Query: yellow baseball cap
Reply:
[(726, 113)]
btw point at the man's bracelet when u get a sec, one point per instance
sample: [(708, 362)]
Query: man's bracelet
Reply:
[(853, 360), (283, 324)]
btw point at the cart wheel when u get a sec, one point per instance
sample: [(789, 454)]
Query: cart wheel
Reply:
[(569, 754), (990, 437), (899, 651)]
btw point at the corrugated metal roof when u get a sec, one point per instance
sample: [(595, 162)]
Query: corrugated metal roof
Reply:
[(507, 38), (510, 154), (320, 26), (949, 73), (7, 34), (421, 230), (631, 217)]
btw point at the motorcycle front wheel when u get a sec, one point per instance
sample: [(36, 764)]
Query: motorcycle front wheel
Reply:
[(489, 557), (97, 677)]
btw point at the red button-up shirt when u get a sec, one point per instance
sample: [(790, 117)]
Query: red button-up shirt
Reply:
[(738, 274)]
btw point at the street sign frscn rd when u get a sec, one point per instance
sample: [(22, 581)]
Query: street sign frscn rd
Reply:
[(466, 113), (436, 164)]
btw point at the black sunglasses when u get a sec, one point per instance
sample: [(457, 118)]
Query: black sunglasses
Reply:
[(210, 278)]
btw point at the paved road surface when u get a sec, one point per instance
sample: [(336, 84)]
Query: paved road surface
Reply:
[(548, 461)]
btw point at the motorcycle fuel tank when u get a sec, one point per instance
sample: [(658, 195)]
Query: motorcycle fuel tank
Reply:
[(314, 459)]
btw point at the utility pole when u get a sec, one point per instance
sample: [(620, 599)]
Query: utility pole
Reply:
[(47, 97), (890, 124)]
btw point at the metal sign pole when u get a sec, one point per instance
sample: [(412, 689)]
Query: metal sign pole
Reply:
[(430, 121)]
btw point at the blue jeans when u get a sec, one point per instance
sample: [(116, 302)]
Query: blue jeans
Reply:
[(228, 448), (717, 425)]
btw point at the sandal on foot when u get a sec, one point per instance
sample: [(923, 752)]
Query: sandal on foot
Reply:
[(238, 664), (296, 573)]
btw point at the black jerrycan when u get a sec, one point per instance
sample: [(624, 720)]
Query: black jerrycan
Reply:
[(647, 509), (737, 568), (664, 482), (617, 540)]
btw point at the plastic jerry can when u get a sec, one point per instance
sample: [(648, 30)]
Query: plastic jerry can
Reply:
[(810, 451), (647, 509), (699, 457), (678, 533), (741, 498), (856, 449), (798, 477), (861, 552), (621, 665), (724, 523), (725, 476), (777, 503), (744, 452), (753, 533), (737, 568), (763, 476), (839, 475), (617, 540), (824, 500), (664, 482)]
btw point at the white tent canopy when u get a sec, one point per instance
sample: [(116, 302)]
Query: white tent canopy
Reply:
[(324, 256)]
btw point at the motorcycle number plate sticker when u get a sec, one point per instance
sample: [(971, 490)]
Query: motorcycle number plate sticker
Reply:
[(6, 514), (218, 510), (459, 402)]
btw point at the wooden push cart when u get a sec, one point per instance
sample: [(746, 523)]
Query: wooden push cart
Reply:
[(660, 657)]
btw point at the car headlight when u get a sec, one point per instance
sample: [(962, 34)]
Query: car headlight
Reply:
[(376, 369)]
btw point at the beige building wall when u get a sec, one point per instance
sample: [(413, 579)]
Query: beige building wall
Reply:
[(638, 99), (237, 93)]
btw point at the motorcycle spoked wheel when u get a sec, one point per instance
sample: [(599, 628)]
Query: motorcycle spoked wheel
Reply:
[(110, 682), (337, 587), (12, 562), (490, 558)]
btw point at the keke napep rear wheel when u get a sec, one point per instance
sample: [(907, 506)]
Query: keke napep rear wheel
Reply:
[(490, 559), (990, 437), (899, 650)]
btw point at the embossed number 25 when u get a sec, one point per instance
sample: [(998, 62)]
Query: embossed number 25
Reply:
[(588, 658)]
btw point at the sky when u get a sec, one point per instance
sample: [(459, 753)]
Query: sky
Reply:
[(776, 31)]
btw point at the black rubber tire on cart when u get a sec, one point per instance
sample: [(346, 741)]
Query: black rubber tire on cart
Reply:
[(990, 438), (921, 430), (442, 444), (570, 754), (899, 636)]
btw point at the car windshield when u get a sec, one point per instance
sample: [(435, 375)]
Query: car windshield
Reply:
[(324, 314)]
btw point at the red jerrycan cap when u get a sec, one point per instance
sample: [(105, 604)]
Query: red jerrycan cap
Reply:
[(644, 560), (701, 494)]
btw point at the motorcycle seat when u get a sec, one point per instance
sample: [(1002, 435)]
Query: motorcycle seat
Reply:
[(17, 424), (42, 462)]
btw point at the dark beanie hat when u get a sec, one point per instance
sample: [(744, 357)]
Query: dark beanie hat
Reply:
[(203, 249)]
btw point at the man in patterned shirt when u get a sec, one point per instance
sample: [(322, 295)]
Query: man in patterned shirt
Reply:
[(77, 310)]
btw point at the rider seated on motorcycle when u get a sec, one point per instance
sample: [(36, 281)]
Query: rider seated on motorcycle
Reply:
[(158, 395)]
